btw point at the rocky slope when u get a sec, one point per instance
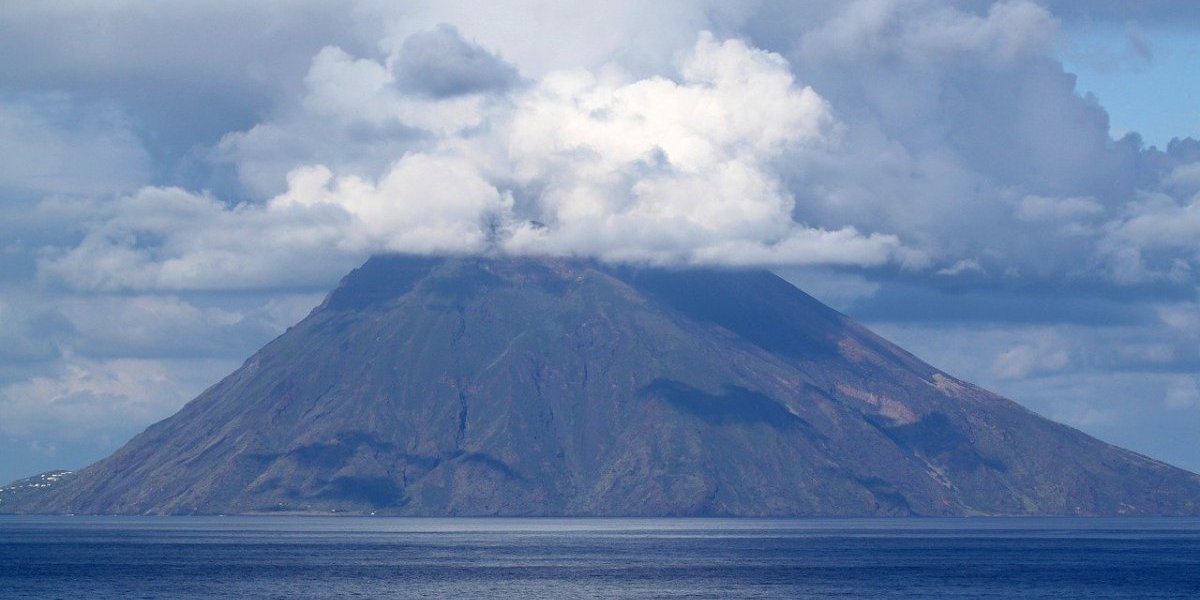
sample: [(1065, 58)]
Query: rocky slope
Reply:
[(472, 386)]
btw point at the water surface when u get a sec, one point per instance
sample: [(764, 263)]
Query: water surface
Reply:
[(347, 557)]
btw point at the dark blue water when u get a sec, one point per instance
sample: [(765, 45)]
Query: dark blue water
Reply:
[(84, 557)]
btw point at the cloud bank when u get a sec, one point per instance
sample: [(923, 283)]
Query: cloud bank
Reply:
[(666, 170), (900, 135)]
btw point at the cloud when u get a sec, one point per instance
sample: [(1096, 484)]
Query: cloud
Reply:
[(425, 204), (895, 133), (1182, 392), (363, 91), (29, 330), (1041, 208), (1044, 355), (673, 171), (151, 326), (441, 63), (915, 32), (966, 265), (189, 71), (1081, 414), (542, 37), (658, 169), (54, 144), (88, 397), (1183, 317), (357, 116), (1157, 238), (171, 239)]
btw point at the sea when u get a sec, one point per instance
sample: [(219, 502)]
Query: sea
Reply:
[(378, 557)]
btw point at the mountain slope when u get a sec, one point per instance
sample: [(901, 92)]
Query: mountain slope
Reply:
[(473, 386)]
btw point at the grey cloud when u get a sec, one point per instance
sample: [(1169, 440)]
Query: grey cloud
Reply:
[(917, 302), (168, 239), (31, 331), (441, 63), (1170, 12), (55, 144), (964, 135), (1183, 392), (80, 398), (957, 142), (540, 37), (149, 326), (1138, 45), (190, 71), (262, 156)]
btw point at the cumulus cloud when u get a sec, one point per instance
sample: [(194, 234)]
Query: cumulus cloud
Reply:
[(666, 170), (908, 133), (931, 137), (364, 91), (898, 133), (441, 63), (677, 171), (947, 136), (542, 38), (424, 204), (1156, 238), (171, 239)]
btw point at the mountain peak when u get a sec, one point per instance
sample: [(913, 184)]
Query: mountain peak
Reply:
[(552, 386)]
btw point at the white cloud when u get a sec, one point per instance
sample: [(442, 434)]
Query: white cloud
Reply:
[(362, 90), (625, 169), (542, 37), (677, 171), (170, 239), (1081, 414), (1044, 355), (1159, 221), (1183, 317), (1182, 392), (909, 154), (966, 265), (88, 396), (1157, 238), (424, 204)]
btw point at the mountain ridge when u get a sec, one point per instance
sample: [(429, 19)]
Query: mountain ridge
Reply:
[(541, 386)]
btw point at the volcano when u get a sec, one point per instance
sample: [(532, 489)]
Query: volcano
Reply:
[(538, 386)]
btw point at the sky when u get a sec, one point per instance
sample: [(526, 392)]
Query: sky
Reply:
[(1010, 190)]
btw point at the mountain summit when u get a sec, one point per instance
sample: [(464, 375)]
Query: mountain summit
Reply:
[(532, 386)]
